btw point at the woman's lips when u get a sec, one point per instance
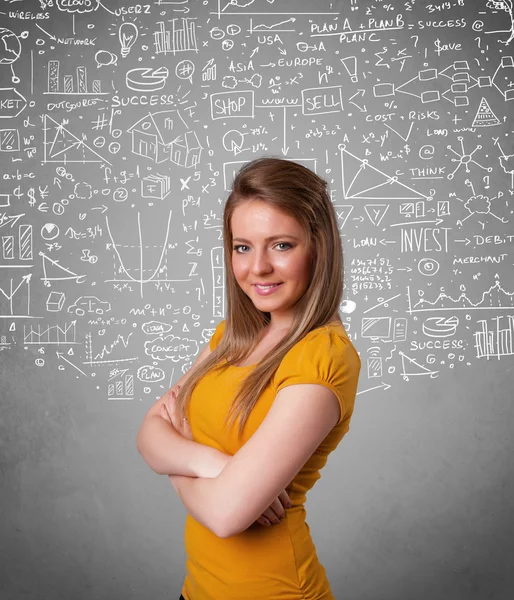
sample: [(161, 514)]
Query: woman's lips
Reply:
[(267, 291)]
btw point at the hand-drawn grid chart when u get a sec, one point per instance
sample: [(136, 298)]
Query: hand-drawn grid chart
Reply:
[(123, 126)]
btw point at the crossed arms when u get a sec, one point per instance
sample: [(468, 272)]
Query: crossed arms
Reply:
[(299, 419)]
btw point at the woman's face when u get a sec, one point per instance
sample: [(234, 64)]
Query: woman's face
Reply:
[(286, 260)]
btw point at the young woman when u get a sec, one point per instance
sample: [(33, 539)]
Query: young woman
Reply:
[(251, 424)]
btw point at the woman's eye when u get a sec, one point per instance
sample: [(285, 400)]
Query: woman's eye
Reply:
[(236, 248)]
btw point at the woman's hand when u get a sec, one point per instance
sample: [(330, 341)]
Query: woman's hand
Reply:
[(274, 513), (169, 413)]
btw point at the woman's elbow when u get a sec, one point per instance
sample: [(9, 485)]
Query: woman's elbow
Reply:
[(140, 440), (224, 530), (233, 525), (143, 451)]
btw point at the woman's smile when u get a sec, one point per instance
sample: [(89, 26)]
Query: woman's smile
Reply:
[(271, 258), (268, 289)]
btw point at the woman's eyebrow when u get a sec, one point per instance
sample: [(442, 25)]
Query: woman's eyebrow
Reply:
[(268, 239)]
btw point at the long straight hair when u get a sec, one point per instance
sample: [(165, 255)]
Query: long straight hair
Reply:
[(300, 193)]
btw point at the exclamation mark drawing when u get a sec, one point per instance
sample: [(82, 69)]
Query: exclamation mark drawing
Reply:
[(354, 5), (350, 64)]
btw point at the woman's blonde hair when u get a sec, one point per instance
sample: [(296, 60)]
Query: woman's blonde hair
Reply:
[(296, 191)]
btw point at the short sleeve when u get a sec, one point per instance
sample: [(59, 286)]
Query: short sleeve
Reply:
[(327, 358), (217, 335)]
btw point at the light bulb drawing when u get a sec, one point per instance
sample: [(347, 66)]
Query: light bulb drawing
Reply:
[(128, 35)]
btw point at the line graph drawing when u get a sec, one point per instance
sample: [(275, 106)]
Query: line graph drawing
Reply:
[(53, 334), (223, 5), (263, 27), (494, 298), (98, 358)]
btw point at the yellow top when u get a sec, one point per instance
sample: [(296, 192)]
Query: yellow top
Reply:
[(277, 562)]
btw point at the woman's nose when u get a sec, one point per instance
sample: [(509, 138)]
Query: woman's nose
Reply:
[(261, 263)]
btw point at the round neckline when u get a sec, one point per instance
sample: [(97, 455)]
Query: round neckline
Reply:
[(334, 324)]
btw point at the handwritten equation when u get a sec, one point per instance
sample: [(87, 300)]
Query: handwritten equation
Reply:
[(122, 126)]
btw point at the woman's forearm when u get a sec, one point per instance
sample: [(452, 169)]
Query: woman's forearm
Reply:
[(200, 497), (166, 452)]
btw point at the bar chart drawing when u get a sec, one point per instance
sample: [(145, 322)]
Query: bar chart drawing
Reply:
[(5, 342), (72, 83), (181, 38), (21, 250), (120, 385), (495, 342)]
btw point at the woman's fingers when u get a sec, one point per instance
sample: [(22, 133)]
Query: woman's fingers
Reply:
[(266, 519), (186, 430), (278, 508), (276, 511), (165, 414), (284, 499), (170, 405)]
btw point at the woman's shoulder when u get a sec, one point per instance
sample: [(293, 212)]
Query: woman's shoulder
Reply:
[(325, 354), (329, 338)]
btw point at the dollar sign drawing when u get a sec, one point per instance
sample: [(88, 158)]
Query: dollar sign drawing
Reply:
[(31, 195)]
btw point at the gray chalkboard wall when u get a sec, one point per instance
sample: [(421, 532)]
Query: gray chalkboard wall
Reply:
[(121, 126)]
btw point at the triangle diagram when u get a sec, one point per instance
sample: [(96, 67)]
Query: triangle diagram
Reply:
[(376, 212), (59, 272), (62, 146), (485, 116), (343, 211), (362, 181), (411, 367)]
